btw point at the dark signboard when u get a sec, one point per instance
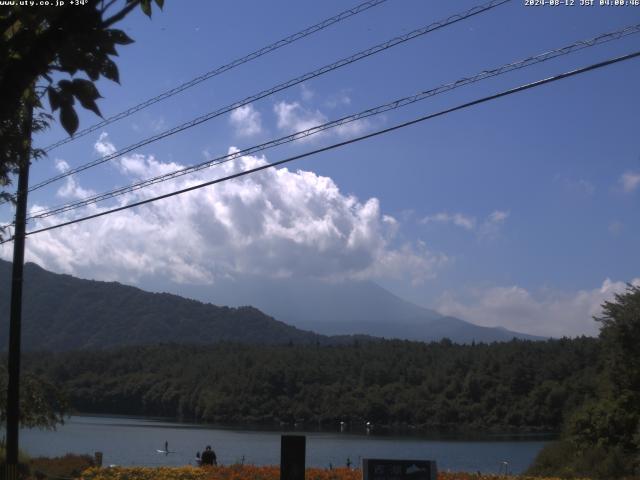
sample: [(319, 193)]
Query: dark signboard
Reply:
[(386, 469), (292, 457)]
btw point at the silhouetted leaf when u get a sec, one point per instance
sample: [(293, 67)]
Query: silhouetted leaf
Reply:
[(69, 118), (110, 70), (54, 98), (86, 93), (160, 3), (119, 37)]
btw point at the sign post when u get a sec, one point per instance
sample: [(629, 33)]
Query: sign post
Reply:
[(387, 469)]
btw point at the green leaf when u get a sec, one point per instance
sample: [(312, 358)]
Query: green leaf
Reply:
[(69, 118), (110, 70), (54, 98), (119, 37), (146, 7), (160, 3)]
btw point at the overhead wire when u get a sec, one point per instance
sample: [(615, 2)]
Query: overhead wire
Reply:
[(282, 86), (395, 104), (485, 99), (219, 70)]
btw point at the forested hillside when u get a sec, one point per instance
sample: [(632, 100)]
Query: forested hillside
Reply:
[(518, 386), (61, 312)]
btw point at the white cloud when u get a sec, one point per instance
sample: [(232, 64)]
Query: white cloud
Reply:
[(491, 227), (547, 314), (246, 120), (276, 223), (579, 185), (158, 124), (70, 190), (293, 117), (630, 181), (351, 129), (458, 219), (103, 147), (306, 93), (498, 216), (339, 99)]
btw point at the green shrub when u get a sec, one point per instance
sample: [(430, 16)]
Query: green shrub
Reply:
[(563, 459), (70, 465)]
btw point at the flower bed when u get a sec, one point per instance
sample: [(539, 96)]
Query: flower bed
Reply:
[(251, 472)]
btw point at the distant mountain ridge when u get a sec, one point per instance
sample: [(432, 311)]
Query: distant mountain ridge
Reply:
[(62, 312), (345, 308)]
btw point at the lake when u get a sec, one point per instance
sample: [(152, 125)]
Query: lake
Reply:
[(135, 441)]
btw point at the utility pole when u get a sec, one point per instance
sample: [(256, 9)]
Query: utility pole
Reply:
[(13, 390)]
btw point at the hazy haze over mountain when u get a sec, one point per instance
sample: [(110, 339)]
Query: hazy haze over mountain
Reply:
[(339, 308), (62, 312)]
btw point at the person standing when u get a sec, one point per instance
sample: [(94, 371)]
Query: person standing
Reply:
[(208, 457)]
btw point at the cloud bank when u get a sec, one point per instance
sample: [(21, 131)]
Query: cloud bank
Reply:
[(548, 314), (275, 223)]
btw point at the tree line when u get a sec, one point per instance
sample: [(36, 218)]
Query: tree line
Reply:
[(512, 386)]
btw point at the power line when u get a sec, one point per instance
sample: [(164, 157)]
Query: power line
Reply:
[(288, 84), (219, 70), (346, 142), (402, 102)]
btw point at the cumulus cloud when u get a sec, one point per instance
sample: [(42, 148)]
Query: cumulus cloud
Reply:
[(547, 314), (630, 181), (293, 117), (246, 120), (70, 190), (276, 223), (103, 146)]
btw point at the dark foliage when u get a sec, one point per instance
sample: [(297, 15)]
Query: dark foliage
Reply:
[(61, 312), (601, 439), (43, 49), (68, 466), (517, 386), (42, 404)]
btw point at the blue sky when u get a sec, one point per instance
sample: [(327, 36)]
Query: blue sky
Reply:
[(521, 212)]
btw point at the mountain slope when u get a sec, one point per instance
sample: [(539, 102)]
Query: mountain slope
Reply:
[(61, 312), (344, 308)]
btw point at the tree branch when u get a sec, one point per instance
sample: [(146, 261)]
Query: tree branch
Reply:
[(121, 14)]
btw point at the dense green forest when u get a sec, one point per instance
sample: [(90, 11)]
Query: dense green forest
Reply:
[(513, 386)]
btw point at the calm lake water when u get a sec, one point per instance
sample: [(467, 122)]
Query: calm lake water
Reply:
[(135, 441)]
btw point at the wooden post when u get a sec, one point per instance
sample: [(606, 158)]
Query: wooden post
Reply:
[(13, 388)]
